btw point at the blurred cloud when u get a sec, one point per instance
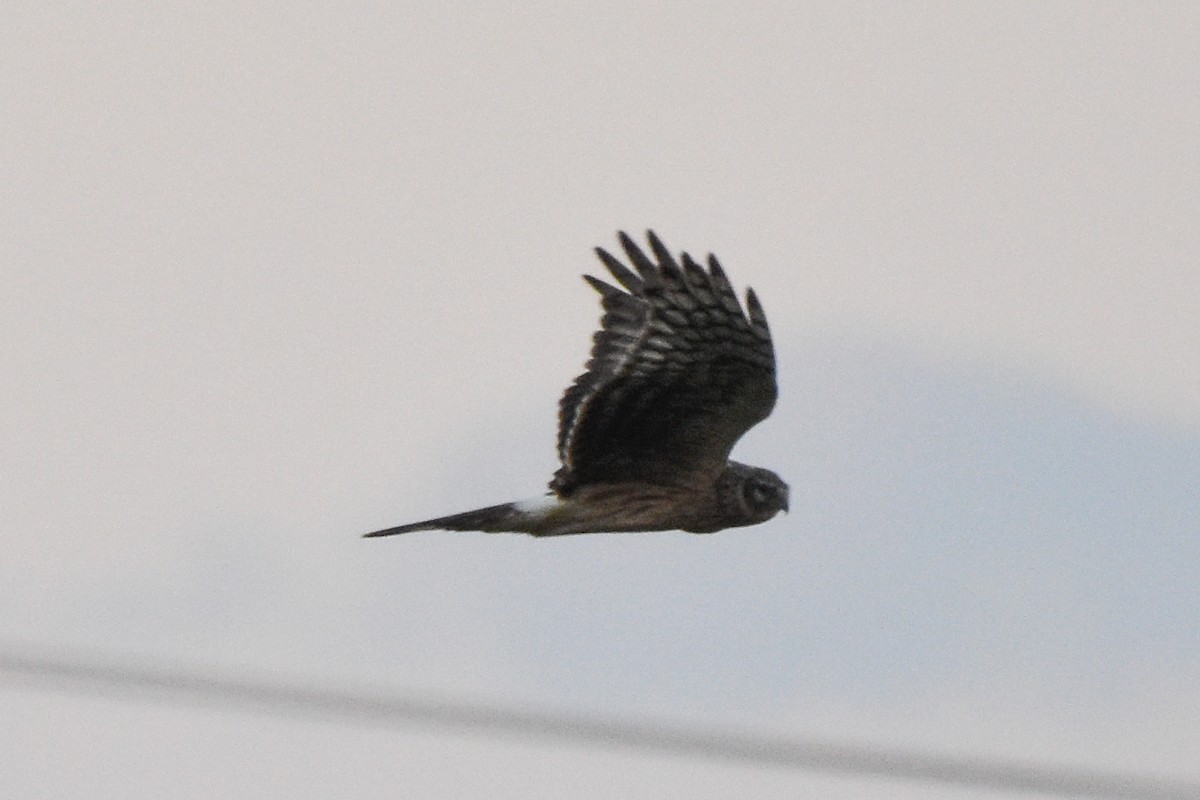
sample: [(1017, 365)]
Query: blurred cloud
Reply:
[(277, 275)]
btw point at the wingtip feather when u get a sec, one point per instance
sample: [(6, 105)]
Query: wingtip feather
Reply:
[(644, 265), (605, 289), (753, 306), (665, 259), (619, 271)]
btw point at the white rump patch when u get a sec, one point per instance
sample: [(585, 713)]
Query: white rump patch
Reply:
[(537, 506)]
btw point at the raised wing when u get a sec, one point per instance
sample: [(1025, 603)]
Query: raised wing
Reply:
[(678, 372)]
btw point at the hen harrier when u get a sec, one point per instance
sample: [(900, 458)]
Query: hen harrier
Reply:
[(678, 372)]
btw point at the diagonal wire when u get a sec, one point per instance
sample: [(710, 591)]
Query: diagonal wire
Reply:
[(89, 675)]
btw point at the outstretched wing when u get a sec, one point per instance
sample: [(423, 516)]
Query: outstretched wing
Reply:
[(678, 372)]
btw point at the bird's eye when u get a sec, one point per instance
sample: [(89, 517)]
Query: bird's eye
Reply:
[(756, 494)]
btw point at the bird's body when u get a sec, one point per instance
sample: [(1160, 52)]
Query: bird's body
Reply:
[(677, 374)]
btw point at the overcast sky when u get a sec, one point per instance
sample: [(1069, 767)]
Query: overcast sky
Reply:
[(276, 275)]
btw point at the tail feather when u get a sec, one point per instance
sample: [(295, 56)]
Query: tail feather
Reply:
[(522, 517)]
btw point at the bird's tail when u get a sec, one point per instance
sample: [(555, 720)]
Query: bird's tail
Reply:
[(528, 516)]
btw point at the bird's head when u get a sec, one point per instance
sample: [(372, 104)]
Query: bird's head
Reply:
[(760, 493)]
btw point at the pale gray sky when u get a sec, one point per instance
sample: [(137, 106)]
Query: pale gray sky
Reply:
[(275, 275)]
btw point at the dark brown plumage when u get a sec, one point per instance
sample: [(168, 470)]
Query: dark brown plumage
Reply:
[(677, 374)]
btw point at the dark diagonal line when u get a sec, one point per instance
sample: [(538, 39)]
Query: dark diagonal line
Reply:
[(411, 711)]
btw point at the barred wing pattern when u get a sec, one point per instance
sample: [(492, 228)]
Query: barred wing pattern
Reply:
[(678, 373)]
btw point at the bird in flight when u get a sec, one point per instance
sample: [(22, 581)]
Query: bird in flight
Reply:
[(678, 372)]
